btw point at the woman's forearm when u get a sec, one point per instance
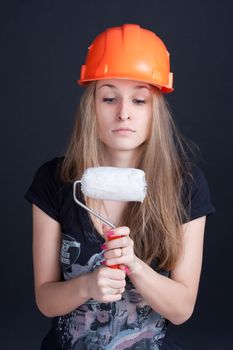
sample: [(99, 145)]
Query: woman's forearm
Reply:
[(169, 298), (60, 298)]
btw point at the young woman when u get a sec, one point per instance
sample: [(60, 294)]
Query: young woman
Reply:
[(123, 121)]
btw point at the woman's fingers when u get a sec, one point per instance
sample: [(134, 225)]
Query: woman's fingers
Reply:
[(118, 231), (119, 248), (111, 254), (107, 284), (122, 242), (116, 284), (111, 274)]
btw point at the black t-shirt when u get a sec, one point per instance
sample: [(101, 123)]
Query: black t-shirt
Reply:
[(126, 324)]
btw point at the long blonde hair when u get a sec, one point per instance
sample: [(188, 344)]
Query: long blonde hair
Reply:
[(155, 224)]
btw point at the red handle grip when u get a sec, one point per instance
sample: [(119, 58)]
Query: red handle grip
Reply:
[(110, 239)]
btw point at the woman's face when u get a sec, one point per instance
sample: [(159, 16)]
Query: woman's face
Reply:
[(124, 113)]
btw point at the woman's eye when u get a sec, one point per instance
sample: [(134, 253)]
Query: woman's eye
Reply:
[(108, 100), (140, 101)]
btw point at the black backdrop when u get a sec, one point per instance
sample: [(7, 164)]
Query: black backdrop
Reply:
[(43, 44)]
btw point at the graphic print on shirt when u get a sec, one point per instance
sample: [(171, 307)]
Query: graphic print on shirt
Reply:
[(128, 323), (70, 252)]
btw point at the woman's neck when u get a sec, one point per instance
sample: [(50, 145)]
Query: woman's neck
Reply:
[(121, 159)]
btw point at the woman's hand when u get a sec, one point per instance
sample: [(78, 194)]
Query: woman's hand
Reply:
[(120, 250), (105, 284)]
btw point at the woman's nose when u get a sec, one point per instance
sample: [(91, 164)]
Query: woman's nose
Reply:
[(123, 112)]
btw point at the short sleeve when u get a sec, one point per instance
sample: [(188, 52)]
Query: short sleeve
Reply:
[(197, 199), (44, 190)]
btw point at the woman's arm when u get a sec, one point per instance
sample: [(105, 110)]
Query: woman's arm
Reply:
[(174, 297), (55, 297), (52, 296)]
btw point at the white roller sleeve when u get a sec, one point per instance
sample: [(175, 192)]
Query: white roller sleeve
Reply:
[(112, 183)]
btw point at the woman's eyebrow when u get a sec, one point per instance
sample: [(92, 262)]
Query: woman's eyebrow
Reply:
[(141, 87), (115, 87), (109, 85)]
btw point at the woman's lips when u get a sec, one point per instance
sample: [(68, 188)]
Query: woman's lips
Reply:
[(123, 131)]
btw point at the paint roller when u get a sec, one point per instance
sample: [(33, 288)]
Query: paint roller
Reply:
[(111, 183)]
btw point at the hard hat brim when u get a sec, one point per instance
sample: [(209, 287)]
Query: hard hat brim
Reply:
[(164, 89)]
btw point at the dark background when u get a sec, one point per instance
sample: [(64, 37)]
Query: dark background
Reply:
[(43, 44)]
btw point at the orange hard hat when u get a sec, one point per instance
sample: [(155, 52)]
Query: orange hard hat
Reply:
[(128, 52)]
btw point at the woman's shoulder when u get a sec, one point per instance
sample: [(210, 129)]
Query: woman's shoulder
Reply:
[(196, 192), (45, 187), (52, 164), (50, 169), (194, 177)]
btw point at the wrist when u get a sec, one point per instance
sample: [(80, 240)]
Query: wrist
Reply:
[(84, 287), (137, 269)]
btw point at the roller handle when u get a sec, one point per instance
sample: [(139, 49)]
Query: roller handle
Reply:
[(110, 239), (91, 211)]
